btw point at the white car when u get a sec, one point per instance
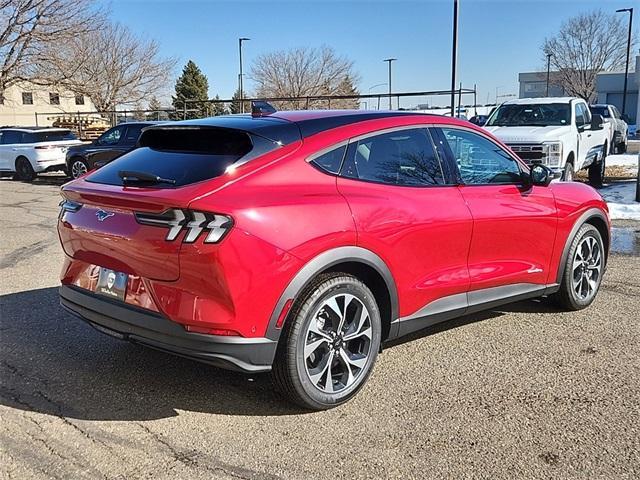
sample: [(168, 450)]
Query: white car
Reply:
[(27, 151), (620, 129), (558, 132)]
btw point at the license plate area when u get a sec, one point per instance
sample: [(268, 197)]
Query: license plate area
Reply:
[(112, 284)]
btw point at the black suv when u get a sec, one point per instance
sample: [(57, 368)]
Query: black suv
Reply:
[(107, 147)]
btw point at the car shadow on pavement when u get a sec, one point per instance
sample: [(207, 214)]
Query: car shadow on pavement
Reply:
[(45, 180), (53, 363)]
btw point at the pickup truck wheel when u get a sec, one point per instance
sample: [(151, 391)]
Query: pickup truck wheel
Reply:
[(622, 147), (596, 171), (24, 170), (567, 175)]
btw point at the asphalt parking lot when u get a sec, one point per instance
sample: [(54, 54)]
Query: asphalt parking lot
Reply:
[(519, 392)]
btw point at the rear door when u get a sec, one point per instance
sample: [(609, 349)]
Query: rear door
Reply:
[(514, 226), (408, 212)]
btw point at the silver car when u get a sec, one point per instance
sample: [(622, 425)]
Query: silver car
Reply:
[(619, 127)]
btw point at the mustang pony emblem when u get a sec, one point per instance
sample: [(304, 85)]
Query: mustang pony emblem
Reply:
[(102, 215)]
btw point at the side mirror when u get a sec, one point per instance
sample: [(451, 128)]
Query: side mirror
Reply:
[(596, 122), (540, 175)]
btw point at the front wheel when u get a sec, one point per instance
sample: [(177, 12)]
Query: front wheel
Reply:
[(596, 170), (567, 174), (583, 270), (330, 343)]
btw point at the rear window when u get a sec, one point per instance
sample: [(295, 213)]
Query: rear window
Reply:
[(604, 111), (185, 155), (53, 136)]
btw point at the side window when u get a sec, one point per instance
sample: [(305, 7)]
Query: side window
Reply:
[(331, 160), (402, 157), (133, 133), (586, 113), (11, 137), (479, 160), (111, 137), (616, 113), (580, 119)]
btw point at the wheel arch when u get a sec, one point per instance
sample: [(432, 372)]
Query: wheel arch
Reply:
[(592, 216), (357, 261)]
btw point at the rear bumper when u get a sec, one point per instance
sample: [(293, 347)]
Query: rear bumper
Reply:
[(151, 329)]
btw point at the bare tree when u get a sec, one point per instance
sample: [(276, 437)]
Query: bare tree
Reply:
[(29, 28), (304, 72), (112, 66), (586, 44)]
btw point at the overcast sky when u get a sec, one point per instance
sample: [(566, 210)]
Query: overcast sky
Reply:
[(497, 39)]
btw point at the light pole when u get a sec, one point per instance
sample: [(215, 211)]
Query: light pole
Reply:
[(549, 55), (454, 56), (626, 68), (497, 88), (374, 86), (389, 60), (240, 40)]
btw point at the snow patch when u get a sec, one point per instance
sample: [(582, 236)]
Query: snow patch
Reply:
[(620, 198), (622, 160)]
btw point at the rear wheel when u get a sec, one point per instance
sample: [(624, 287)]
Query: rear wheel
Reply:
[(583, 270), (330, 343), (24, 170), (596, 170), (78, 168), (622, 147)]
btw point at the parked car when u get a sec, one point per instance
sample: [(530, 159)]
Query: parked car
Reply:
[(27, 151), (559, 132), (479, 120), (619, 128), (300, 242), (107, 147)]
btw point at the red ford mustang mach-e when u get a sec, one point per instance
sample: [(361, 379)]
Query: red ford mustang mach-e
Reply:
[(299, 242)]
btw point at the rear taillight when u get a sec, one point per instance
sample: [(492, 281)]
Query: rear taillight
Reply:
[(215, 225)]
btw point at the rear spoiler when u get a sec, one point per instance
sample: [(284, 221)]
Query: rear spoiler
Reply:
[(261, 109)]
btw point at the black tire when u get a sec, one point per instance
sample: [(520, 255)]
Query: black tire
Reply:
[(568, 173), (291, 375), (77, 167), (622, 147), (24, 170), (567, 297), (597, 169)]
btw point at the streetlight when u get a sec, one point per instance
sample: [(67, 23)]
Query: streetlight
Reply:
[(497, 88), (389, 60), (549, 55), (374, 86), (240, 40), (626, 68), (454, 56)]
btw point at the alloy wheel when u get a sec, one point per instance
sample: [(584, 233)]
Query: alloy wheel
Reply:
[(587, 268), (338, 343), (78, 168)]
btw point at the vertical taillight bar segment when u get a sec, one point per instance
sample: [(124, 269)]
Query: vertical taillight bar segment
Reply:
[(215, 225)]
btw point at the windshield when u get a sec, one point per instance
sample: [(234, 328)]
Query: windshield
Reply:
[(541, 115)]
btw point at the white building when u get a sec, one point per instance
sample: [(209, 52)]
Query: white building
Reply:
[(21, 102)]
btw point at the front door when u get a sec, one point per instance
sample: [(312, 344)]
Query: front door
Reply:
[(514, 225), (408, 212)]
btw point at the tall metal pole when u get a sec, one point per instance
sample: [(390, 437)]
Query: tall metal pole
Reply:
[(241, 91), (626, 68), (389, 60), (549, 55), (454, 56)]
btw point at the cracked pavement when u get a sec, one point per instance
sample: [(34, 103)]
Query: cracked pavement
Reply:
[(523, 391)]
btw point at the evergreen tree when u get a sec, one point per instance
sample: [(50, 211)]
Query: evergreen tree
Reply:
[(235, 103), (218, 108), (154, 104), (346, 87), (191, 85)]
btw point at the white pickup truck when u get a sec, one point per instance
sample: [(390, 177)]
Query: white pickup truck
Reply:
[(561, 133)]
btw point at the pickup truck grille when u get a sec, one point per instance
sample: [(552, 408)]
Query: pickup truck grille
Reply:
[(528, 152)]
